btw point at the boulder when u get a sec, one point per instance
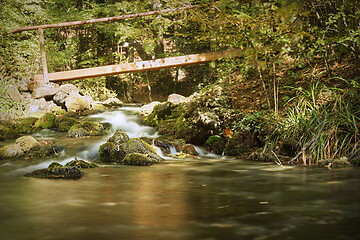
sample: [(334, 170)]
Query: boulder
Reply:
[(176, 99), (112, 102), (216, 144), (64, 123), (27, 143), (56, 171), (81, 164), (38, 107), (119, 137), (23, 84), (137, 145), (47, 121), (10, 151), (189, 149), (7, 131), (45, 90), (86, 128), (59, 98), (76, 102), (13, 93), (147, 109), (26, 125), (69, 89), (138, 159)]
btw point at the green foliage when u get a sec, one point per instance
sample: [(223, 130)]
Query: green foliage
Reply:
[(326, 117)]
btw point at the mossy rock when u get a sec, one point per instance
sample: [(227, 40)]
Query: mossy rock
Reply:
[(161, 111), (55, 165), (47, 149), (57, 172), (8, 133), (189, 149), (216, 144), (137, 145), (110, 152), (64, 123), (138, 159), (26, 125), (28, 143), (334, 163), (47, 121), (9, 151), (119, 137), (87, 128), (81, 164)]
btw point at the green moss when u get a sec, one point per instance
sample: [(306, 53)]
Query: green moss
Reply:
[(110, 152), (119, 137), (47, 121), (8, 133), (25, 125), (216, 144), (55, 165), (81, 164), (87, 128), (57, 173), (138, 159), (65, 123)]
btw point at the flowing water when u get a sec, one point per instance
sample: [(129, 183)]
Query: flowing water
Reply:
[(213, 197)]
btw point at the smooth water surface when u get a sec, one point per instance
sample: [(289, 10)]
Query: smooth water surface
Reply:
[(206, 198)]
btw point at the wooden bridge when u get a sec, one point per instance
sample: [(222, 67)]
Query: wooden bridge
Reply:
[(126, 67)]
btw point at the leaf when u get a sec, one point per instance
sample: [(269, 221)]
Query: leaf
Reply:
[(228, 133)]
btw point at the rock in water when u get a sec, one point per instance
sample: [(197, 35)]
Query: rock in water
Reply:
[(147, 109), (56, 172), (176, 99), (28, 143), (138, 159), (45, 90), (10, 151)]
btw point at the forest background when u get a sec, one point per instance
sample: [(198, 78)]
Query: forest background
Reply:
[(298, 78)]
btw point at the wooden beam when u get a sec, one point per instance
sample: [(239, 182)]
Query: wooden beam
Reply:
[(107, 19), (140, 66), (43, 55)]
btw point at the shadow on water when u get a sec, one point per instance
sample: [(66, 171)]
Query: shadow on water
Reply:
[(207, 198)]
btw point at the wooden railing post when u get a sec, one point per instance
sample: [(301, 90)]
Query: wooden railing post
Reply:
[(43, 55)]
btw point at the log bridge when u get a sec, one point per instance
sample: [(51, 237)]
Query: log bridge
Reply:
[(126, 67)]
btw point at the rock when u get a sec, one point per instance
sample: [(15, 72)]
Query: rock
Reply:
[(261, 156), (81, 164), (147, 109), (59, 98), (75, 103), (97, 107), (69, 89), (23, 84), (86, 128), (119, 137), (38, 107), (25, 125), (65, 123), (110, 152), (176, 99), (47, 121), (137, 145), (55, 165), (138, 159), (216, 144), (113, 102), (32, 85), (46, 90), (47, 149), (159, 112), (28, 143), (57, 172), (10, 151), (189, 149), (13, 93), (7, 131)]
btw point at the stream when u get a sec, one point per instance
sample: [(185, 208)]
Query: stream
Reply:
[(213, 197)]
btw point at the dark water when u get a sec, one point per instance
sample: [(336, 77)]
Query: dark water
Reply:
[(207, 198)]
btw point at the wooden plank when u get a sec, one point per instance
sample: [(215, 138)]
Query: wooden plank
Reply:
[(107, 19), (43, 55), (140, 66)]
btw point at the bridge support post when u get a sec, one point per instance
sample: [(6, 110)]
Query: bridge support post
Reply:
[(43, 55)]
